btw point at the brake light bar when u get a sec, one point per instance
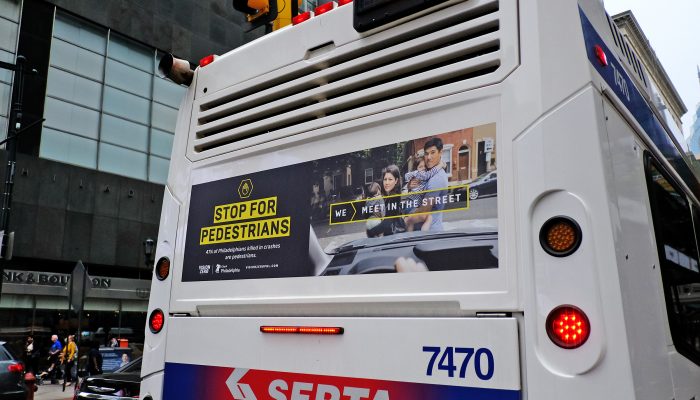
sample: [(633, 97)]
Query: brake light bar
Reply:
[(343, 2), (303, 330)]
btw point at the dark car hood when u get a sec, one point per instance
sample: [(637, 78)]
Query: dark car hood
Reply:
[(114, 377), (407, 238), (108, 384)]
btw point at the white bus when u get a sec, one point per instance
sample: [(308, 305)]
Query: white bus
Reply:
[(503, 156)]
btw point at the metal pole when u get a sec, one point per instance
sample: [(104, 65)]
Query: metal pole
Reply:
[(80, 312), (15, 124)]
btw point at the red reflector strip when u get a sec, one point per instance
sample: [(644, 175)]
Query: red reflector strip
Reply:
[(600, 54), (343, 2), (324, 8), (298, 19), (206, 60), (303, 330)]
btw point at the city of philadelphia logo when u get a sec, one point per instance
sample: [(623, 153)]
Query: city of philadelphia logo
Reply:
[(245, 188)]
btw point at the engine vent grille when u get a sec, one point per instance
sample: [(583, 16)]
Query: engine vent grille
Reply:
[(464, 44)]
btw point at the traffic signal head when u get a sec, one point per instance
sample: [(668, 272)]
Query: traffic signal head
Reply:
[(255, 8), (257, 12)]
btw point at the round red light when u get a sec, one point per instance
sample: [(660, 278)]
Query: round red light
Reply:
[(568, 327), (156, 321)]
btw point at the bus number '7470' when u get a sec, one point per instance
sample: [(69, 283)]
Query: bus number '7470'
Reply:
[(482, 357)]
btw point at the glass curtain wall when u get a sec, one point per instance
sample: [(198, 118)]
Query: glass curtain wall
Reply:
[(106, 108), (9, 27)]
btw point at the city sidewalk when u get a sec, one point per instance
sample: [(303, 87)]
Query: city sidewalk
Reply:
[(53, 392)]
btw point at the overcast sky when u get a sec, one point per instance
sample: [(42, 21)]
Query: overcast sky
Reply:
[(673, 28)]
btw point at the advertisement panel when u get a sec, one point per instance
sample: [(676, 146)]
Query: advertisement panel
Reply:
[(427, 204)]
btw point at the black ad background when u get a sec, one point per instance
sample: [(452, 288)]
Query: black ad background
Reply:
[(212, 262)]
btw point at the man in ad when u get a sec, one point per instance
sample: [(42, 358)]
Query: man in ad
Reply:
[(433, 158)]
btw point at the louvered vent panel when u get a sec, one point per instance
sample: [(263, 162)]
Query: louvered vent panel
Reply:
[(465, 45)]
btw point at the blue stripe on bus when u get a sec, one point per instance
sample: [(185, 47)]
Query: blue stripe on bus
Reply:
[(617, 78)]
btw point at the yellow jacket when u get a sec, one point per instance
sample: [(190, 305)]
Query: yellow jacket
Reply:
[(68, 353)]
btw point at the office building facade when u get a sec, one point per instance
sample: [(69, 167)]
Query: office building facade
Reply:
[(89, 179)]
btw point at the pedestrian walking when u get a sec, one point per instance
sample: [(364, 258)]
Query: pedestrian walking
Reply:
[(54, 354), (31, 356), (94, 360), (70, 355)]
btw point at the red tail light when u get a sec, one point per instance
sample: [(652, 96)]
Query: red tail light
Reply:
[(568, 327), (298, 19), (303, 330), (324, 8), (156, 321), (206, 60), (343, 2), (18, 368)]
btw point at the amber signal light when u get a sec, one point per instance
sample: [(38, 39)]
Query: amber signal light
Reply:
[(162, 268), (560, 236)]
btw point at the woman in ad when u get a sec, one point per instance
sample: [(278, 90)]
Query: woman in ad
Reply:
[(391, 188)]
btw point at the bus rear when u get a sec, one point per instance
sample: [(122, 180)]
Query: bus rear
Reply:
[(386, 201)]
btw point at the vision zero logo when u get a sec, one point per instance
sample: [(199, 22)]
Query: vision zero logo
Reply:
[(204, 269)]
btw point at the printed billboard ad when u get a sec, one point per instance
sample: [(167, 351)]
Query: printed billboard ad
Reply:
[(426, 204)]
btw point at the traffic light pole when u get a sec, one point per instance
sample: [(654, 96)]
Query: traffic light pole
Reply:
[(14, 128)]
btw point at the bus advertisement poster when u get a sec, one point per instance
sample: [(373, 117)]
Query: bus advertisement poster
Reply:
[(268, 224)]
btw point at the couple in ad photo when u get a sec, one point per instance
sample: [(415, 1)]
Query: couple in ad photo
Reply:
[(400, 203)]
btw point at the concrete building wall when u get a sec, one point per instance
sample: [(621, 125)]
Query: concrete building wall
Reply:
[(67, 213)]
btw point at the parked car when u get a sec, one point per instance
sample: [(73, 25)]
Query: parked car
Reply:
[(122, 383), (11, 375), (483, 186)]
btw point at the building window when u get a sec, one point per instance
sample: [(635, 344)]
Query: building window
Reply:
[(675, 227), (106, 108), (447, 158), (369, 175), (9, 28)]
